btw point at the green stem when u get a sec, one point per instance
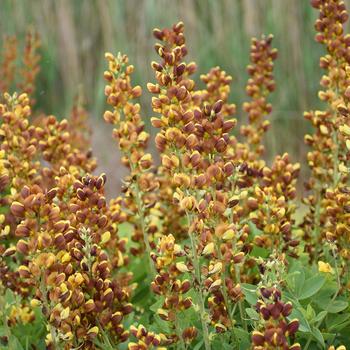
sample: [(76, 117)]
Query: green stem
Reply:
[(200, 296), (240, 305), (225, 294), (144, 230), (142, 220), (46, 303), (178, 333)]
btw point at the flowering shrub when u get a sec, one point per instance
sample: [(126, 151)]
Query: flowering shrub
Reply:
[(201, 251)]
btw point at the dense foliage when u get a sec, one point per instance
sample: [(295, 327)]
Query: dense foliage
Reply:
[(201, 251)]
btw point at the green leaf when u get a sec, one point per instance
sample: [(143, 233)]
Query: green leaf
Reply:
[(296, 281), (324, 297), (310, 313), (259, 252), (312, 286), (198, 346), (13, 342), (336, 322), (254, 230), (329, 337), (252, 314), (160, 325), (337, 306), (249, 292), (320, 316), (243, 337), (221, 341), (318, 336), (157, 305)]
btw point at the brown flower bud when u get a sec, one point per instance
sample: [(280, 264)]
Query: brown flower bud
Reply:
[(22, 247), (17, 209)]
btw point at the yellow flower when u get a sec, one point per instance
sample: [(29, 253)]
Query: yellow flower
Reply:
[(105, 237), (181, 267), (208, 249), (324, 267)]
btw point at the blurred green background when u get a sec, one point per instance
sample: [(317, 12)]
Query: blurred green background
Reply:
[(76, 33)]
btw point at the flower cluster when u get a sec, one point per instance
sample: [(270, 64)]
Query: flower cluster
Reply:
[(58, 231), (22, 77), (202, 250), (141, 184), (276, 329), (329, 157)]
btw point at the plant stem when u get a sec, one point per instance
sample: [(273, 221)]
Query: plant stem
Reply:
[(178, 333), (43, 291), (225, 294), (200, 296), (143, 228), (240, 306), (142, 220)]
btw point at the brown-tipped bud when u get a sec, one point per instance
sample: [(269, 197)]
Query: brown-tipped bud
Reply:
[(145, 161), (102, 221), (25, 192), (252, 203), (116, 318), (17, 209), (127, 309), (108, 296), (191, 141), (186, 303), (51, 194), (92, 332), (185, 286), (238, 258), (182, 180), (287, 309), (342, 109), (221, 145), (200, 180), (218, 106), (81, 194), (24, 271), (108, 116), (61, 226), (229, 168), (77, 254), (286, 227), (233, 201), (293, 326), (22, 231), (265, 313), (89, 305), (220, 328), (153, 88), (22, 246), (136, 91), (9, 251), (189, 334), (100, 182), (60, 278), (187, 116), (156, 66), (180, 69), (158, 34), (258, 338), (202, 205)]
